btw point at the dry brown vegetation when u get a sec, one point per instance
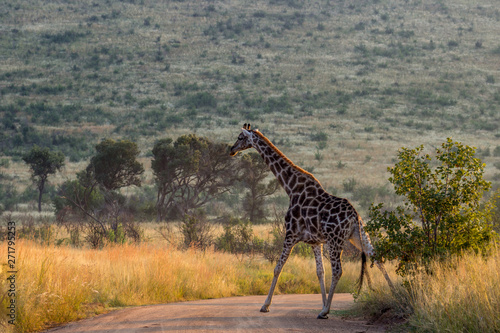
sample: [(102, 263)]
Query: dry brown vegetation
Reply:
[(58, 284)]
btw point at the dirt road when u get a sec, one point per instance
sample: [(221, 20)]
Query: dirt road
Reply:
[(289, 313)]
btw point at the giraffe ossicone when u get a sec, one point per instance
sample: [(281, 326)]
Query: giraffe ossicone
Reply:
[(314, 216)]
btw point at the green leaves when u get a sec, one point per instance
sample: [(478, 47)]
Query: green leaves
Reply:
[(115, 165), (441, 212), (189, 172), (43, 163)]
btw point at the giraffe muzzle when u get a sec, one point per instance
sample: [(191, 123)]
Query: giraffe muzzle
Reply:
[(233, 151)]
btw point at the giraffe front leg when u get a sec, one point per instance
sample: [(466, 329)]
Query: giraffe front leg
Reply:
[(336, 274), (320, 271), (277, 271)]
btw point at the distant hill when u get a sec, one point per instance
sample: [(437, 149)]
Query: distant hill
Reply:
[(338, 85)]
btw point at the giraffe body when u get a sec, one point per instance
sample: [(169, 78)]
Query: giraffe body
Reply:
[(314, 216)]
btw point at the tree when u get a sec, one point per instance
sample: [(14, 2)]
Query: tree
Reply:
[(441, 214), (95, 194), (115, 165), (189, 172), (43, 163), (254, 172)]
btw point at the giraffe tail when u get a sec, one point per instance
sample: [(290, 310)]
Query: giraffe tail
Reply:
[(364, 272)]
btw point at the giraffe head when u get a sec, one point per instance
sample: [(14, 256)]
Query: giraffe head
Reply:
[(244, 141)]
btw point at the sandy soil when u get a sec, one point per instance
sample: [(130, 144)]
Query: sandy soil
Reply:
[(289, 313)]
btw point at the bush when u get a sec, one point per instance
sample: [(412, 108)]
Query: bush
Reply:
[(200, 100), (496, 151), (319, 136), (196, 231), (63, 37), (441, 214), (238, 237)]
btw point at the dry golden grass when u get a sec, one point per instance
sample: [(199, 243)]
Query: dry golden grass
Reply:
[(461, 295), (61, 284)]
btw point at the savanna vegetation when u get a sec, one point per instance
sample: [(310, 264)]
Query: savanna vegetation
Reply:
[(115, 114)]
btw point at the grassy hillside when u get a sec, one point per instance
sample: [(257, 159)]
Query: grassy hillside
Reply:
[(367, 77)]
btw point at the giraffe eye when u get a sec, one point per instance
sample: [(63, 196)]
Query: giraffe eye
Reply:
[(241, 137)]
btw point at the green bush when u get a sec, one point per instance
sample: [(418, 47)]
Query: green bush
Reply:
[(63, 37), (237, 237), (441, 214), (200, 100)]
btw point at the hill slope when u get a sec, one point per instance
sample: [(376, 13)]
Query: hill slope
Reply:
[(365, 76)]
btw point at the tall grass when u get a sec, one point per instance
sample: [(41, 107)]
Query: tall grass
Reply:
[(60, 284), (461, 295)]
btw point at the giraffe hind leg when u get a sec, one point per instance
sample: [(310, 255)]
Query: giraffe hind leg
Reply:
[(368, 249), (362, 242)]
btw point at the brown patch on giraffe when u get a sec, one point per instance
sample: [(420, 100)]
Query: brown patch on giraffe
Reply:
[(298, 188)]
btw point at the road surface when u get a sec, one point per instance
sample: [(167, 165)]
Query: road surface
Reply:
[(289, 313)]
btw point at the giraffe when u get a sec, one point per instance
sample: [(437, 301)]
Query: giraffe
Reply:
[(314, 216)]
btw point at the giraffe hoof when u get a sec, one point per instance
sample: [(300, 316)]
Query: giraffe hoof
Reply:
[(264, 309), (320, 316)]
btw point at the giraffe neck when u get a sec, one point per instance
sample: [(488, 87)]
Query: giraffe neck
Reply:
[(291, 177)]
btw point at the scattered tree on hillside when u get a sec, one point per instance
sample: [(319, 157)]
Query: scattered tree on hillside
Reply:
[(43, 163), (441, 214), (189, 172)]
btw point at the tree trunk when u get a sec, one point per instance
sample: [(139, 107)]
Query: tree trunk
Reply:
[(159, 206), (40, 190)]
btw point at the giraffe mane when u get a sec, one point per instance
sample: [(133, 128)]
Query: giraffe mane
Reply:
[(287, 160)]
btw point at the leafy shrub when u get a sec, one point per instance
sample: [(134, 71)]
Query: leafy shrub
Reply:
[(63, 37), (278, 104), (237, 237), (196, 230), (441, 214), (200, 100), (320, 136), (496, 151), (8, 197), (349, 185)]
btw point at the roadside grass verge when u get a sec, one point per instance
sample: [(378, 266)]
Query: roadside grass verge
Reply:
[(58, 284), (461, 295)]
